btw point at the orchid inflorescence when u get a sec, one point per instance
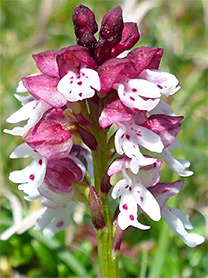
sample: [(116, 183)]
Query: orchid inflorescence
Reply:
[(90, 113)]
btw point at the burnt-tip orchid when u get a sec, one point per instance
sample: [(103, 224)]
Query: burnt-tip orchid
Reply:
[(93, 115)]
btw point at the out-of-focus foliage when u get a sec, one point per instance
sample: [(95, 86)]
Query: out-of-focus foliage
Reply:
[(180, 27)]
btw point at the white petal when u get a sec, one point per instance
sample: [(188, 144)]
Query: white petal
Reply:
[(150, 140), (144, 88), (24, 151), (162, 108), (175, 164), (183, 217), (35, 114), (134, 101), (91, 77), (131, 150), (23, 113), (190, 239), (125, 220), (31, 176), (119, 188), (61, 221), (118, 141), (167, 82), (44, 219), (75, 87), (147, 202), (21, 88)]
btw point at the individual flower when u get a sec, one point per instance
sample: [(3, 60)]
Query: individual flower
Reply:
[(154, 133), (31, 177), (50, 139), (32, 109), (133, 191), (177, 220)]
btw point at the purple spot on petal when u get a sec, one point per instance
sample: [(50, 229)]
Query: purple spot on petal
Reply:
[(79, 83), (127, 137), (40, 162), (80, 94), (159, 86), (32, 177), (126, 186), (71, 82), (130, 188), (134, 90), (139, 133), (138, 191), (122, 135), (125, 206), (60, 224), (131, 98), (131, 217), (142, 199), (72, 77)]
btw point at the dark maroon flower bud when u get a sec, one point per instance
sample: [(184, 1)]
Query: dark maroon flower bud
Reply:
[(112, 26), (87, 138), (130, 36), (50, 139), (146, 57), (84, 21), (105, 184), (96, 209), (88, 40), (118, 237)]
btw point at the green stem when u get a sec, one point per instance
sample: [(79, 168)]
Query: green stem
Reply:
[(107, 258)]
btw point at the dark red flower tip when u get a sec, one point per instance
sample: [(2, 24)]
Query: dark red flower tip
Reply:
[(130, 36), (112, 26), (84, 21)]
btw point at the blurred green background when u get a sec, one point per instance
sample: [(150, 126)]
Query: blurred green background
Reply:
[(180, 27)]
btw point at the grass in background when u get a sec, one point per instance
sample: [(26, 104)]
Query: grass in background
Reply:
[(180, 27)]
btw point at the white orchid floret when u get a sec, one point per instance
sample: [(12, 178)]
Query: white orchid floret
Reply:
[(166, 82), (129, 136), (178, 221), (32, 110), (32, 176), (133, 193), (80, 85), (54, 220), (144, 92)]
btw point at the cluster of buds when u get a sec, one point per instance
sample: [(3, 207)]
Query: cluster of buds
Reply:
[(86, 91)]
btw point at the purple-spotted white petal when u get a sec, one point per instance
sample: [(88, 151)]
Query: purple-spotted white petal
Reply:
[(54, 220), (32, 109), (32, 176), (79, 86), (166, 82)]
